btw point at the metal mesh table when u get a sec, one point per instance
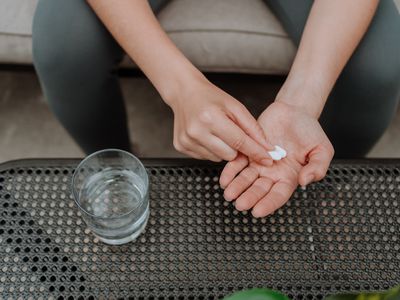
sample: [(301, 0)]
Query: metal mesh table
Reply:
[(342, 234)]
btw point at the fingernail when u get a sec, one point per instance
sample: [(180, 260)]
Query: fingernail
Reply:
[(257, 214), (267, 162), (309, 179), (239, 207), (227, 198)]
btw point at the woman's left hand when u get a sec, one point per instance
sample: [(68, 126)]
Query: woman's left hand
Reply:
[(267, 188)]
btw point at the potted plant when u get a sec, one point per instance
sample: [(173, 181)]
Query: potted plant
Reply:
[(267, 294)]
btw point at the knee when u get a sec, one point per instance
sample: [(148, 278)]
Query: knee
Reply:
[(50, 50), (355, 135), (375, 76), (375, 65), (49, 55), (57, 53), (43, 53), (71, 50)]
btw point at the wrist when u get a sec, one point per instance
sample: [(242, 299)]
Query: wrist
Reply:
[(304, 92), (178, 83)]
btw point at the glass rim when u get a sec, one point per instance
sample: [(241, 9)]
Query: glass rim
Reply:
[(76, 195)]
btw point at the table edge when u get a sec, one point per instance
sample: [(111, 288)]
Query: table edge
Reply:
[(160, 162), (53, 162)]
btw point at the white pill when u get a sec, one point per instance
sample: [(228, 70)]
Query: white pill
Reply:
[(278, 153), (275, 155), (281, 151)]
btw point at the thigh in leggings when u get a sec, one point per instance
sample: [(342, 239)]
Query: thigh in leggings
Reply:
[(76, 58), (364, 98)]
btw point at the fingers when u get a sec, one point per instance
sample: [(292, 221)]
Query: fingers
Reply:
[(276, 197), (240, 183), (317, 166), (231, 169), (249, 124), (203, 143), (237, 139), (205, 156), (185, 145), (219, 148), (216, 130), (253, 194)]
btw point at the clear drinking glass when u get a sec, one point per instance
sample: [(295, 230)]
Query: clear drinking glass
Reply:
[(110, 188)]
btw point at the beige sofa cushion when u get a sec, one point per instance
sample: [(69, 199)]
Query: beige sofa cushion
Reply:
[(216, 35), (15, 31), (228, 35)]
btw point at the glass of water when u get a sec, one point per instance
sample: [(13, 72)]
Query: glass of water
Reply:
[(110, 188)]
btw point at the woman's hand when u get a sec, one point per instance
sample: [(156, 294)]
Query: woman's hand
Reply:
[(267, 188), (210, 124)]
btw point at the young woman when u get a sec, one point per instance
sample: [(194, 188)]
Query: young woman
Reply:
[(78, 44)]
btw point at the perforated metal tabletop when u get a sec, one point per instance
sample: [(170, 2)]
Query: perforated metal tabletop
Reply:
[(341, 234)]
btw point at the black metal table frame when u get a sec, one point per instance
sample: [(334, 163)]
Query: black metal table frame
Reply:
[(339, 235)]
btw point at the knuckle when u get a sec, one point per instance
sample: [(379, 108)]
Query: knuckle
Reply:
[(206, 116), (237, 106), (252, 194), (319, 174), (193, 130), (216, 159), (197, 156), (261, 185), (258, 156), (184, 141), (239, 142), (249, 174), (177, 146), (230, 156), (331, 151)]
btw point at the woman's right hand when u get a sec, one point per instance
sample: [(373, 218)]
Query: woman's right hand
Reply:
[(210, 124)]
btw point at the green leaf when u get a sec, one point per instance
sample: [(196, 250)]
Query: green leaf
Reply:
[(392, 294), (257, 294)]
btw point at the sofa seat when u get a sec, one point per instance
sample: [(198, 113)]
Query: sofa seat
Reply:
[(216, 35)]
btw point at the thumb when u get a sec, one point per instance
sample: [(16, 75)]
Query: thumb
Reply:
[(319, 160)]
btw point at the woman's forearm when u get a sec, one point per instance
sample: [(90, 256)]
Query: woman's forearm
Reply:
[(332, 32), (134, 26), (208, 123)]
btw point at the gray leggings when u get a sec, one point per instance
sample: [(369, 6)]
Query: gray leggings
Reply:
[(76, 60)]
